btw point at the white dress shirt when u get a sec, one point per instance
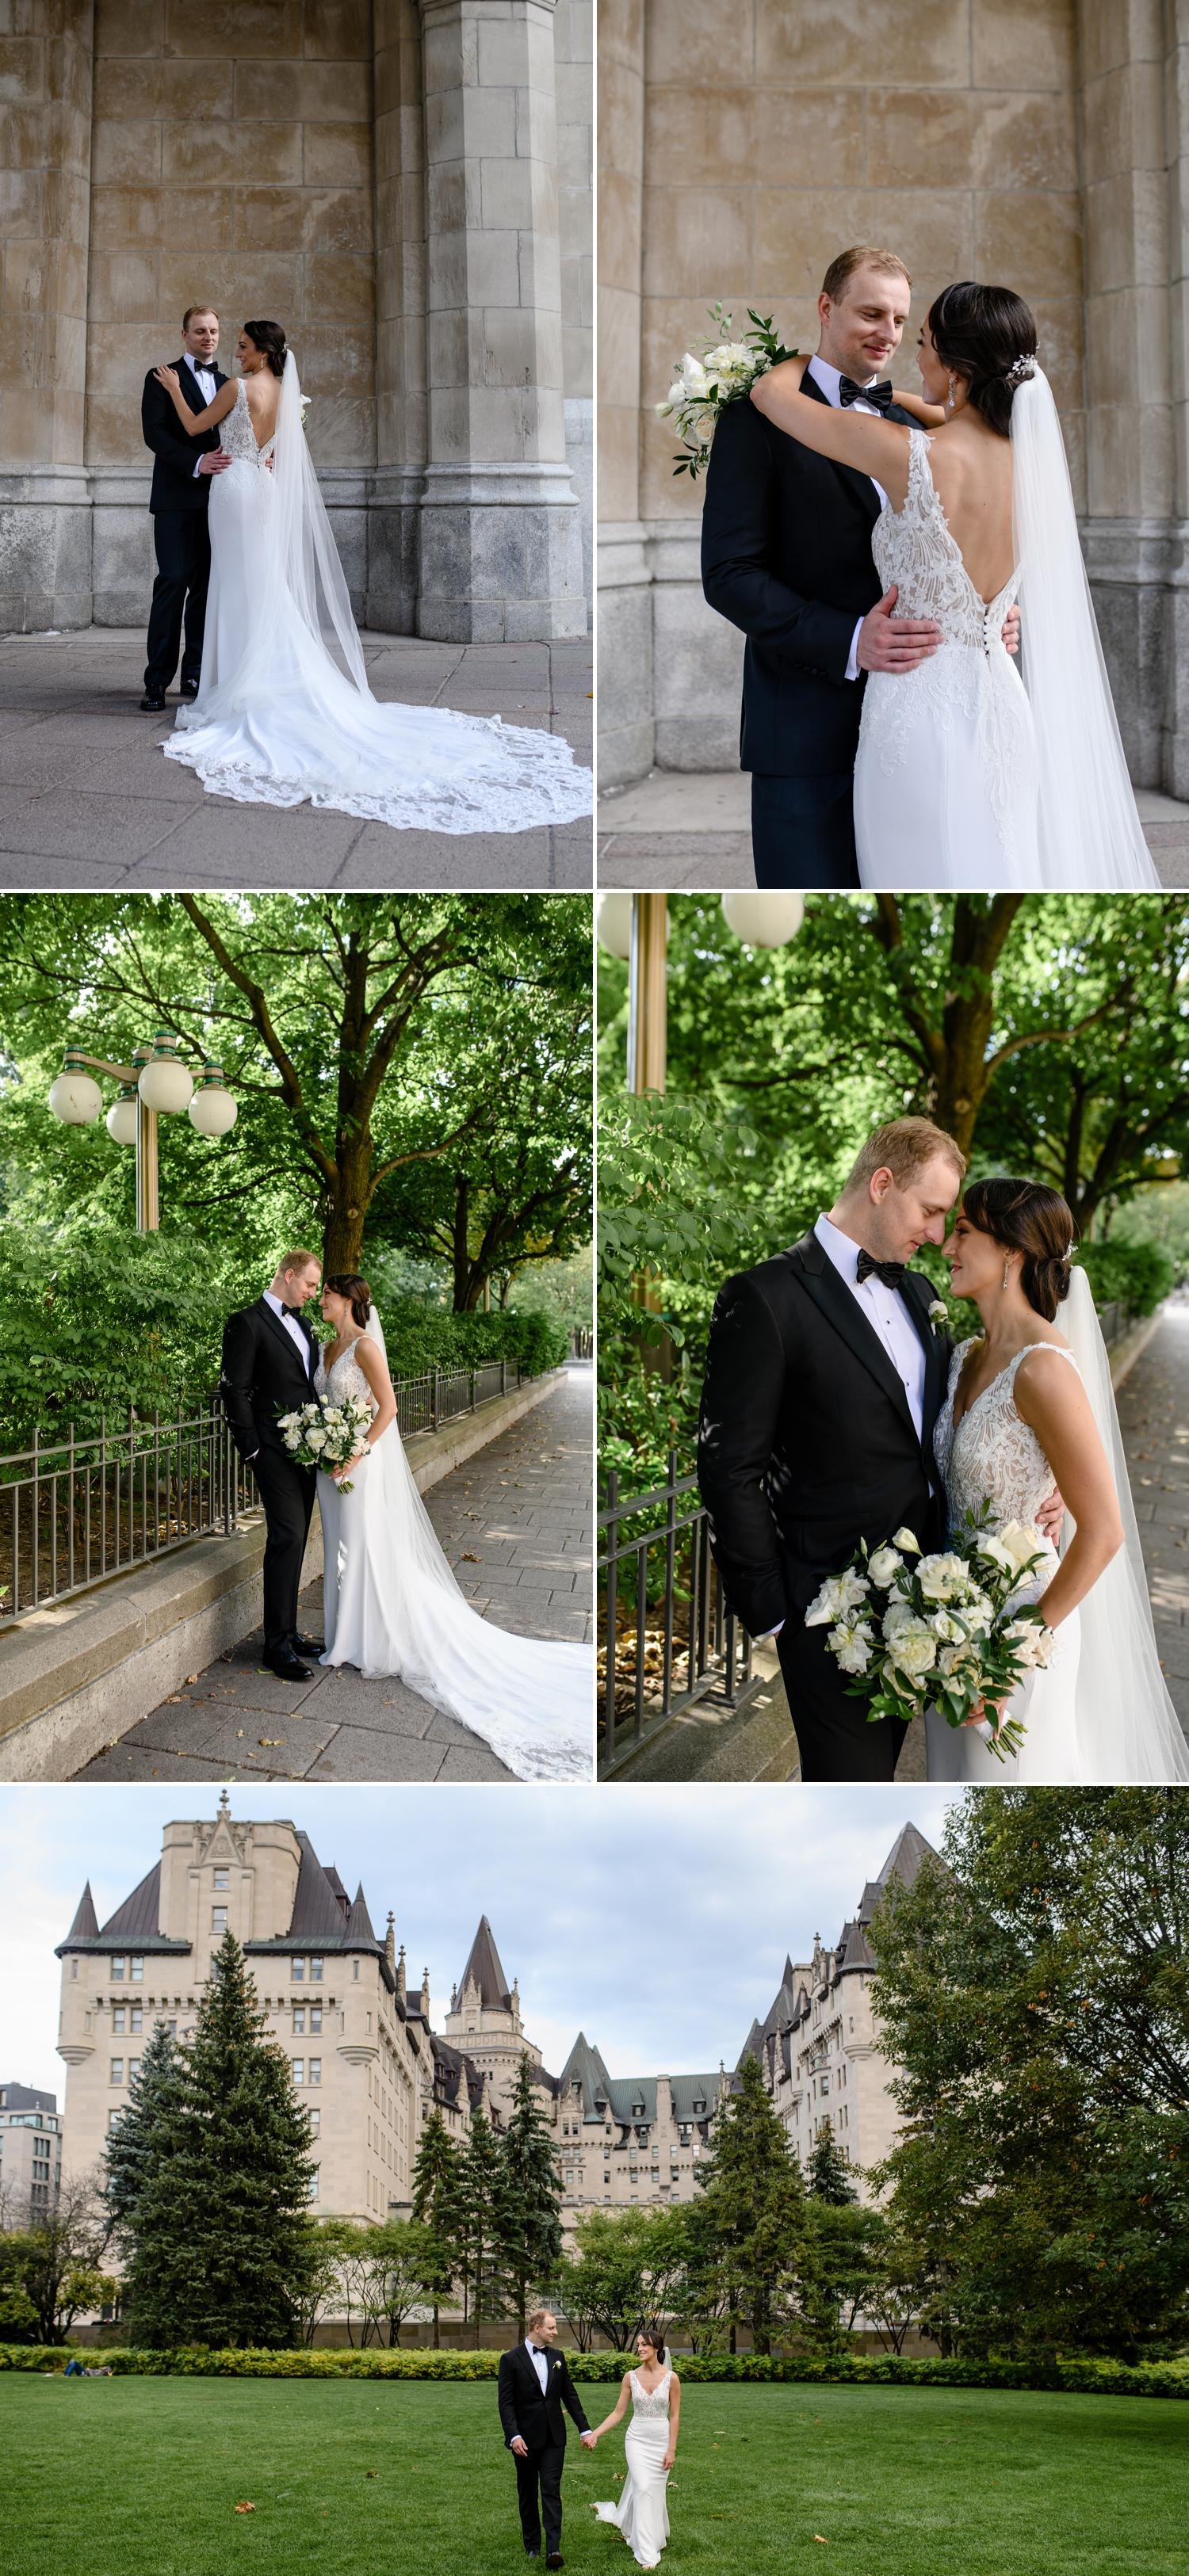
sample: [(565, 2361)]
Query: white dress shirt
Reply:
[(292, 1327), (886, 1311), (205, 380), (540, 2363), (830, 380)]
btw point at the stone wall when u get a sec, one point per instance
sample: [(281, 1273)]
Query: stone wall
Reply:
[(405, 185), (1035, 144)]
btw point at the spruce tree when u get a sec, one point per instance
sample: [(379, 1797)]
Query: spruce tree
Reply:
[(827, 2174), (481, 2219), (438, 2198), (143, 2135), (530, 2196), (755, 2200), (222, 2239)]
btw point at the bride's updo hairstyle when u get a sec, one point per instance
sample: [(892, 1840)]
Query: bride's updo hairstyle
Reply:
[(269, 338), (348, 1284), (1025, 1217), (655, 2335), (986, 335)]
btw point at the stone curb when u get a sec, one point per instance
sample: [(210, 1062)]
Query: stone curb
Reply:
[(77, 1676)]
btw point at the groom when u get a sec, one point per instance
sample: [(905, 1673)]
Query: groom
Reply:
[(534, 2385), (178, 501), (786, 555), (269, 1357)]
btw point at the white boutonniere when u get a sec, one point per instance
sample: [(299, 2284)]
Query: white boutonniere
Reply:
[(938, 1315)]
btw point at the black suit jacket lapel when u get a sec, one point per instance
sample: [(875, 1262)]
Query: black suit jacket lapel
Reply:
[(834, 1300), (276, 1327), (917, 1294), (857, 485)]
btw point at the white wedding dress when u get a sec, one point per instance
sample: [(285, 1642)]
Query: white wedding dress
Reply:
[(642, 2513), (393, 1608), (284, 714), (970, 776)]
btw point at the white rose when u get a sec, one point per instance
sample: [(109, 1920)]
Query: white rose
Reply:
[(884, 1567), (316, 1439), (995, 1553), (1021, 1544), (839, 1593), (852, 1646), (913, 1649), (695, 381), (943, 1578), (904, 1538), (938, 1314), (978, 1612), (950, 1630)]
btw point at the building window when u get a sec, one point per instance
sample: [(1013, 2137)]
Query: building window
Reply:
[(315, 1972), (133, 2068), (116, 1969), (74, 1967), (136, 2016), (117, 2071), (355, 1970), (297, 1969), (315, 2017), (221, 1880), (138, 1972), (299, 2021), (315, 2122), (218, 1918), (117, 2019), (314, 2184), (315, 2070), (299, 2070)]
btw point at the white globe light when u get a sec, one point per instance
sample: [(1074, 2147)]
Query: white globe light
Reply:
[(75, 1099), (123, 1120), (166, 1083), (613, 924), (213, 1111), (764, 920)]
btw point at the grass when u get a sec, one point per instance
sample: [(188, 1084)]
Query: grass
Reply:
[(140, 2477)]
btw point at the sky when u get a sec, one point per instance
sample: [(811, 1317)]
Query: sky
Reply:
[(656, 1920)]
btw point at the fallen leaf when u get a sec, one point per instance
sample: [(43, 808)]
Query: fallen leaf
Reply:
[(270, 1740), (469, 1558), (174, 1700), (192, 1677), (245, 2508)]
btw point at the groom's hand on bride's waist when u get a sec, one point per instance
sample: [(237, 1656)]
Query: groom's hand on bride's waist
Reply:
[(885, 642), (215, 462)]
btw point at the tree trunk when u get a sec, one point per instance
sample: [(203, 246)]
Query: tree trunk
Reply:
[(462, 1258), (346, 1211)]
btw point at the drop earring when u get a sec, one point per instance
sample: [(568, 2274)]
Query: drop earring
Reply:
[(1006, 1271)]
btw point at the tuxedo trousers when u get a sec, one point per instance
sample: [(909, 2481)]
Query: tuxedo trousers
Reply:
[(538, 2493), (803, 830), (835, 1739), (183, 546), (287, 1493)]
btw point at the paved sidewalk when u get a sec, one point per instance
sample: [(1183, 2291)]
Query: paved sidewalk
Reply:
[(516, 1523), (1154, 1417), (87, 799), (691, 830)]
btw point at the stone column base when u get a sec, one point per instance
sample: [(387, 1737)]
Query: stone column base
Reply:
[(393, 511), (45, 550), (501, 555), (627, 729), (1131, 566)]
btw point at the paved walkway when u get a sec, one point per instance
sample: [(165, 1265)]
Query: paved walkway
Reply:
[(692, 831), (86, 798), (1154, 1416), (516, 1523)]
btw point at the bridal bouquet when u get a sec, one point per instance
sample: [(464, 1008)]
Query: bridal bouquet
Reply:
[(325, 1435), (702, 387), (943, 1631)]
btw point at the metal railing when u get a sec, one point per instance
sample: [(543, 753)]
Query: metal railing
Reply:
[(77, 1511), (667, 1636)]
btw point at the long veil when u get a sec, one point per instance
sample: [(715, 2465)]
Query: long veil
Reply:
[(1089, 828), (531, 1699), (303, 557), (1127, 1727)]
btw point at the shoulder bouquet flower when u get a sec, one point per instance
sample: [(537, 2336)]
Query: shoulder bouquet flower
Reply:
[(703, 386), (944, 1631), (325, 1435)]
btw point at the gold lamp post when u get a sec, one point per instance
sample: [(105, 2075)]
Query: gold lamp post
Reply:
[(157, 1083)]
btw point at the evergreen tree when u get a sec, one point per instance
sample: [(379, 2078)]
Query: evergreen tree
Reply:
[(438, 2203), (222, 2239), (482, 2214), (144, 2133), (827, 2174), (530, 2196), (755, 2198)]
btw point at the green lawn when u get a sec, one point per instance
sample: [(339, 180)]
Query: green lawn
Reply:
[(140, 2477)]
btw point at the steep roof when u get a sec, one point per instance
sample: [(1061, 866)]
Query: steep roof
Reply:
[(484, 1970), (134, 1922), (322, 1918), (584, 2066), (359, 1921), (85, 1926)]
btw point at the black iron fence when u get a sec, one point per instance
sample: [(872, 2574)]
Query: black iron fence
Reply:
[(76, 1511), (667, 1638)]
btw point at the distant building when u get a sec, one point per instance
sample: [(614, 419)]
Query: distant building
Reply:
[(30, 2154)]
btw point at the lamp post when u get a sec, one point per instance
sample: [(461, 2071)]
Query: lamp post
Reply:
[(157, 1083), (636, 927)]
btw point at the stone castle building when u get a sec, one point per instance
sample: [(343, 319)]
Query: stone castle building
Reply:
[(405, 186), (1042, 146), (369, 2066)]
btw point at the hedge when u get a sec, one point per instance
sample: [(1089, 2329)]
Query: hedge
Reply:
[(422, 1337), (1090, 2377)]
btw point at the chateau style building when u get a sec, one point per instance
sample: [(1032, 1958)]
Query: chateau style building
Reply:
[(367, 2062)]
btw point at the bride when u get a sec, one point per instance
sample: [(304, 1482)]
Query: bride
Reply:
[(1030, 1402), (967, 775), (284, 712), (654, 2395), (392, 1606)]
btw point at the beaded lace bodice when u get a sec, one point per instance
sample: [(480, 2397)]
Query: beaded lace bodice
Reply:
[(913, 547), (993, 1455), (237, 437), (652, 2404), (344, 1378)]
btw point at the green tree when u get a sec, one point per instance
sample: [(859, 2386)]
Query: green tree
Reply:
[(54, 2259), (622, 2272), (530, 2196), (220, 2233), (828, 2176), (480, 2269), (755, 2197), (439, 2205), (143, 2136)]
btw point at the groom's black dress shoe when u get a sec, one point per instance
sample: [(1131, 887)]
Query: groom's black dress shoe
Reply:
[(288, 1668), (188, 689), (556, 2560), (151, 706), (308, 1645)]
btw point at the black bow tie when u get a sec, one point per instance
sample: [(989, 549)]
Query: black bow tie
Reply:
[(891, 1272), (542, 2349), (879, 396)]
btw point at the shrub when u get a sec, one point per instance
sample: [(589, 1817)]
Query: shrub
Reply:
[(1071, 2374), (422, 1337)]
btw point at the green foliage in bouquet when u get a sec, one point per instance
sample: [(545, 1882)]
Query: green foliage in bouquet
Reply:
[(725, 373)]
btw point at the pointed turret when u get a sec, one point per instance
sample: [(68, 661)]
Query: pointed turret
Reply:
[(402, 1982), (484, 1973), (85, 1926), (359, 1921), (425, 1994), (390, 1945)]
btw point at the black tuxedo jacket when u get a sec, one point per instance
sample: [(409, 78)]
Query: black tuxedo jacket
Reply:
[(539, 2420), (176, 486), (262, 1377), (806, 1443), (786, 555)]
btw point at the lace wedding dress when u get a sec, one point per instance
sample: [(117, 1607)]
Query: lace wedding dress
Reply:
[(994, 1456), (284, 714), (642, 2513), (393, 1608)]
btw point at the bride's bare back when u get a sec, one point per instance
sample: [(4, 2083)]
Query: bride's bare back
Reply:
[(262, 393), (972, 477)]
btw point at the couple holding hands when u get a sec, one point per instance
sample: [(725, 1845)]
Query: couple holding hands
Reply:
[(535, 2387)]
